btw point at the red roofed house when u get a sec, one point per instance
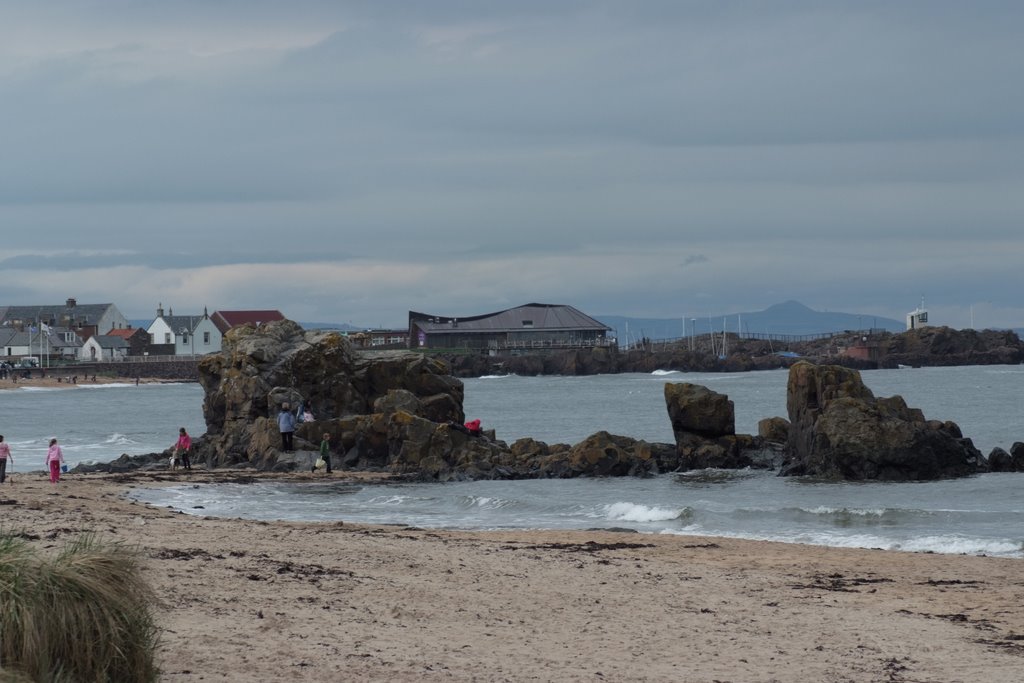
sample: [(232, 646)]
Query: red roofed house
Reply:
[(225, 320)]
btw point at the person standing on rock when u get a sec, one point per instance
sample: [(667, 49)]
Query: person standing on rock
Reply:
[(286, 425), (5, 454)]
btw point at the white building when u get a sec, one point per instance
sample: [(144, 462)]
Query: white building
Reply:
[(102, 347), (190, 335), (45, 342), (918, 317)]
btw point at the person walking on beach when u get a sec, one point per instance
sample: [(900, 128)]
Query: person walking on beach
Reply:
[(286, 425), (5, 454), (54, 459), (325, 452), (182, 449)]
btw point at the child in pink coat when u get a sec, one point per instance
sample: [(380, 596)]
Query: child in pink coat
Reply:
[(54, 459)]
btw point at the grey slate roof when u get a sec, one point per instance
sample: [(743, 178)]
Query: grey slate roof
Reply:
[(177, 323), (88, 314), (107, 341), (550, 317), (13, 337)]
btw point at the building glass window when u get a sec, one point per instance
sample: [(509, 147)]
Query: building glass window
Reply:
[(206, 337)]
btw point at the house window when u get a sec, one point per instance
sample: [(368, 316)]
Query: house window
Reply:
[(184, 337), (527, 323), (206, 337), (167, 337)]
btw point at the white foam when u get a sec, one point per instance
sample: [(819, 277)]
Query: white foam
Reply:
[(118, 439), (942, 545), (661, 373), (632, 512), (858, 512)]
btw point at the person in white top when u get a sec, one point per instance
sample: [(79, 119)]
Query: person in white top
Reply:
[(5, 455)]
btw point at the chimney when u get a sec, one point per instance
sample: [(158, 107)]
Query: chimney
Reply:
[(160, 310)]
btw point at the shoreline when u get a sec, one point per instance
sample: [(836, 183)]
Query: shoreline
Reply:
[(243, 600), (51, 381)]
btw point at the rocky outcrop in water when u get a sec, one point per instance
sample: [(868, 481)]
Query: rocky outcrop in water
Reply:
[(704, 426), (1001, 461), (259, 369), (401, 412), (839, 429), (927, 346), (944, 346)]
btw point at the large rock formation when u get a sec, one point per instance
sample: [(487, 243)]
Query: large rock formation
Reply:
[(394, 411), (946, 346), (838, 429), (261, 368), (704, 426), (401, 412)]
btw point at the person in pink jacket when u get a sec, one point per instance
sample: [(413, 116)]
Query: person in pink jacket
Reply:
[(183, 449), (54, 459)]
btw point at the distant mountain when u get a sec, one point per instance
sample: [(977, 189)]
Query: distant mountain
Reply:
[(790, 317)]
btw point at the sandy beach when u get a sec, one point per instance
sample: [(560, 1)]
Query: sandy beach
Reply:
[(256, 601)]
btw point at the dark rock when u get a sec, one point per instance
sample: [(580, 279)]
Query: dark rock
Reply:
[(774, 430), (261, 367), (838, 429), (696, 410), (1017, 454), (1000, 461)]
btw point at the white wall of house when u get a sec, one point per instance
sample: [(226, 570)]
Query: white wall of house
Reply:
[(92, 351), (160, 332), (111, 319), (205, 338), (15, 350)]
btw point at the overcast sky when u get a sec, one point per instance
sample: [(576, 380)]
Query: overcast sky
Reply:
[(352, 161)]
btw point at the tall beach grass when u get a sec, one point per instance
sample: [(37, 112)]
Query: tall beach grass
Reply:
[(82, 614)]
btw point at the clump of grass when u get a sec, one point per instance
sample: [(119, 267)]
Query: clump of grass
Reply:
[(84, 614)]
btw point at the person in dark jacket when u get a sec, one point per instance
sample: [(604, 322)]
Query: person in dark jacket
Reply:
[(286, 425)]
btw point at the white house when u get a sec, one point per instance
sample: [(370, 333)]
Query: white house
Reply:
[(918, 317), (191, 335), (102, 347)]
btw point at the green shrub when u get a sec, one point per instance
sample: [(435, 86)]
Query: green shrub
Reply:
[(82, 615)]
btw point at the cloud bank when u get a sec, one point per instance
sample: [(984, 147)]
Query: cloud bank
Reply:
[(351, 161)]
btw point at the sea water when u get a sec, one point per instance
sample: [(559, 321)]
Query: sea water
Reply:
[(983, 514), (97, 422)]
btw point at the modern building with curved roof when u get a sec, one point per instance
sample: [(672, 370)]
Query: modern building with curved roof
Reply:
[(533, 326)]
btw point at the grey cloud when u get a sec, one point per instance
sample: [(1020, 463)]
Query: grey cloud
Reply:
[(163, 260), (415, 132)]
